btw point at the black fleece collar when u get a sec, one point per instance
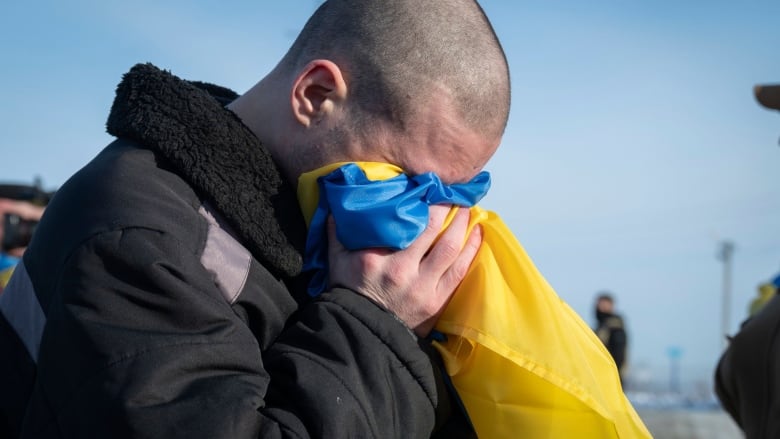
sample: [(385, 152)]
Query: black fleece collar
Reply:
[(211, 148)]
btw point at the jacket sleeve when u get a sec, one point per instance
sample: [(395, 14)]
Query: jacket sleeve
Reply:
[(747, 376), (139, 343)]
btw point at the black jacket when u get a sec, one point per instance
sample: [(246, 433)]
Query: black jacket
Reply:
[(162, 297), (612, 332), (747, 377)]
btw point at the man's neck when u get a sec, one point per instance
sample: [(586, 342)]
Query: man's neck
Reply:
[(262, 126)]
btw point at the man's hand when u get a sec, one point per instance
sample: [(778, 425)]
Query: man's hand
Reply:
[(416, 283)]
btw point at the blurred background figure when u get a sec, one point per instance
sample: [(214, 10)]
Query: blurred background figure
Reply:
[(611, 330), (21, 207), (769, 97), (766, 291), (747, 377)]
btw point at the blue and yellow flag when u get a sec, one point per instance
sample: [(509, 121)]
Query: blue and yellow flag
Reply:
[(7, 265), (523, 362)]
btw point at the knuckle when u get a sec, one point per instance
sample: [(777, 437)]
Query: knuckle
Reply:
[(448, 248), (472, 246), (436, 215), (395, 276), (459, 272), (370, 262)]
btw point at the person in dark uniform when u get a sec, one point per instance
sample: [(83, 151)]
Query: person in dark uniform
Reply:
[(611, 330)]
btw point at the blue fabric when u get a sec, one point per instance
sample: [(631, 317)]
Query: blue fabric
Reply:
[(389, 213), (7, 261)]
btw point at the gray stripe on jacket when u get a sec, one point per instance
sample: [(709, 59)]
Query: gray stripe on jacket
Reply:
[(224, 257), (19, 305)]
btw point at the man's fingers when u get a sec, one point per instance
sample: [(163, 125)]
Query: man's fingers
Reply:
[(452, 276), (416, 283), (460, 267), (446, 250), (437, 214)]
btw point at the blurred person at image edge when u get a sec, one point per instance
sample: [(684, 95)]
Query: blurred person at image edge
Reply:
[(747, 377), (21, 207)]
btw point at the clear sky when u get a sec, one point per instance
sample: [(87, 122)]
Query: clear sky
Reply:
[(634, 145)]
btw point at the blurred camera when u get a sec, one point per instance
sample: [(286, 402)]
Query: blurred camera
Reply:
[(17, 231)]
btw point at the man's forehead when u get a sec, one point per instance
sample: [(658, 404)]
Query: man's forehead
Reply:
[(449, 149)]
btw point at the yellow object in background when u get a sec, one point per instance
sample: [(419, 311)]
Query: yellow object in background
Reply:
[(523, 362), (766, 292), (5, 276)]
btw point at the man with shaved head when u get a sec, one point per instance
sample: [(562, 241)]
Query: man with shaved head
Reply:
[(378, 74), (164, 296)]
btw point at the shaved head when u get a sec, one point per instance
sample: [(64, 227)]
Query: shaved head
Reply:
[(423, 85), (397, 55)]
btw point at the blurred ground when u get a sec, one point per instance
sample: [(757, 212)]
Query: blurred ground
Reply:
[(689, 424)]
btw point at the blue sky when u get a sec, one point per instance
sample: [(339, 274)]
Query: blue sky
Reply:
[(634, 145)]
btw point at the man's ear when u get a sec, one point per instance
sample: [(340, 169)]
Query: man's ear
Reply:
[(317, 90)]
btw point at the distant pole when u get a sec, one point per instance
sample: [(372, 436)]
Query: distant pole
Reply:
[(674, 353), (725, 253)]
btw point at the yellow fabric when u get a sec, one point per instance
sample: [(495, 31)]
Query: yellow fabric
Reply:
[(765, 293), (5, 276), (523, 362)]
